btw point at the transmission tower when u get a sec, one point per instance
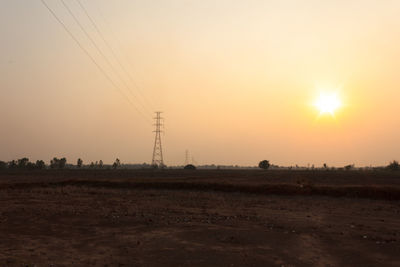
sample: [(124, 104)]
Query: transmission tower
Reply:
[(157, 151)]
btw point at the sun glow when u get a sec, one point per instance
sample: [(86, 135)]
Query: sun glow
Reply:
[(327, 103)]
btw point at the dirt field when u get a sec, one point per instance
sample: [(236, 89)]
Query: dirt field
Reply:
[(199, 218)]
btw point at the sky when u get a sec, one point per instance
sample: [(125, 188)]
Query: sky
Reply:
[(236, 81)]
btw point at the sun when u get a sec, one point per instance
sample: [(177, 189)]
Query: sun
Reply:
[(328, 103)]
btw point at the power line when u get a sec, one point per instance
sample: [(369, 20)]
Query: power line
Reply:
[(90, 57), (118, 41), (113, 52), (99, 50)]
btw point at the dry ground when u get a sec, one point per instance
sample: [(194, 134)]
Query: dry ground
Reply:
[(143, 218)]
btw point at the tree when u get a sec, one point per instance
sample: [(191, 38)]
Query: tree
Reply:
[(30, 166), (40, 165), (79, 163), (264, 164), (56, 163), (116, 164), (22, 163), (101, 164), (394, 166), (63, 162), (12, 164)]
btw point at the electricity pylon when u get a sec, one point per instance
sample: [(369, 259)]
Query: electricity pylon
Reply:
[(157, 151)]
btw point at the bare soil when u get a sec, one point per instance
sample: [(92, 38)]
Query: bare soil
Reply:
[(199, 218)]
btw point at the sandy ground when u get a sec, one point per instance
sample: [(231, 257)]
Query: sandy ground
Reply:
[(91, 226)]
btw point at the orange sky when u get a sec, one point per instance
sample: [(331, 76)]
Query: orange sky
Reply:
[(236, 81)]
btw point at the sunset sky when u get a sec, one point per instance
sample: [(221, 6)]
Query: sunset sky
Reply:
[(237, 81)]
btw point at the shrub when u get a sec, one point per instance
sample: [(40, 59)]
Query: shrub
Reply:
[(190, 167), (264, 164), (394, 166)]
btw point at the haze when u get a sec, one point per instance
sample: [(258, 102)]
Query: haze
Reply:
[(236, 81)]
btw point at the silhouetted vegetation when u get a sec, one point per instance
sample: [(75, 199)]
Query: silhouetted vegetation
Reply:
[(22, 164), (190, 167), (61, 163), (116, 164), (56, 163), (3, 165), (79, 163), (394, 166), (40, 165), (264, 164), (12, 164)]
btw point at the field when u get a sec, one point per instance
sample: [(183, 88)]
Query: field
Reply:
[(199, 218)]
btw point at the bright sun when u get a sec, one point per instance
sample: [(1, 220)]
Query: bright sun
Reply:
[(327, 103)]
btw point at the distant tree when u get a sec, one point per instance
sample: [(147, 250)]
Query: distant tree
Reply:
[(190, 167), (12, 164), (3, 165), (56, 163), (325, 166), (22, 163), (79, 163), (116, 164), (394, 166), (91, 165), (40, 165), (101, 164), (30, 166), (264, 164), (63, 162)]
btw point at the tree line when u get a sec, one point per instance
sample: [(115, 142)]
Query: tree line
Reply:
[(55, 163)]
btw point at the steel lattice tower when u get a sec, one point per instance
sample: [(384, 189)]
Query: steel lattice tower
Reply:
[(157, 150)]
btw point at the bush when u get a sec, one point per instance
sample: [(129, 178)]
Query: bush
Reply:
[(190, 167), (264, 164), (394, 166)]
